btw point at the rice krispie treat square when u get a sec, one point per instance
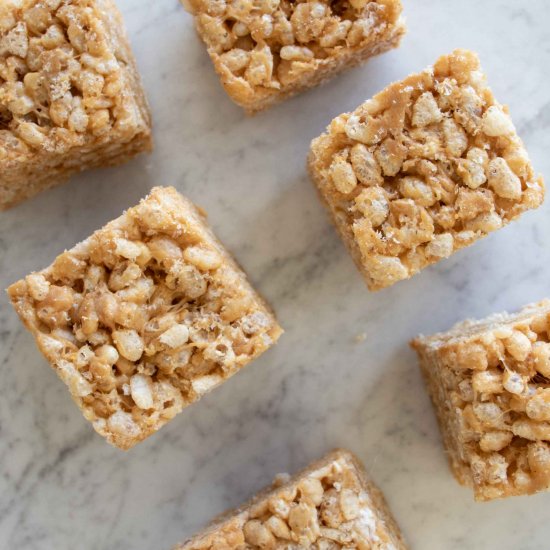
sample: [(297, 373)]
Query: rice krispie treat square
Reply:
[(330, 505), (267, 50), (145, 317), (70, 94), (428, 166), (490, 384)]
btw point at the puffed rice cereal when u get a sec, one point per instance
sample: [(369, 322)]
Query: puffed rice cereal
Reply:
[(144, 317), (70, 94), (489, 382), (267, 50), (332, 505), (428, 166)]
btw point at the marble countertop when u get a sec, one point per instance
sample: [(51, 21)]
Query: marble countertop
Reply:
[(63, 487)]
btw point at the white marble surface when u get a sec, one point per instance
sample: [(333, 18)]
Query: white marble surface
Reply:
[(62, 487)]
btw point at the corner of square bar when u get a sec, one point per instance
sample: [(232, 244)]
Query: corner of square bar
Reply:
[(145, 317)]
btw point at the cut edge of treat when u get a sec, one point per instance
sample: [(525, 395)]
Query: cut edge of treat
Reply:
[(470, 327), (459, 468), (323, 75)]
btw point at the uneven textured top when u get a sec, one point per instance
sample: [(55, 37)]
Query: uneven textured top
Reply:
[(265, 46), (494, 379), (144, 317), (330, 506), (426, 167), (66, 77), (259, 200)]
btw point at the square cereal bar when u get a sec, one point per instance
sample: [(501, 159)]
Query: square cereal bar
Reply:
[(70, 94), (267, 50), (144, 317), (428, 166), (490, 384), (330, 505)]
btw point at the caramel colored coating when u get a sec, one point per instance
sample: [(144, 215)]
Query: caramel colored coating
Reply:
[(70, 94), (428, 166), (490, 384), (267, 50), (332, 505), (145, 317)]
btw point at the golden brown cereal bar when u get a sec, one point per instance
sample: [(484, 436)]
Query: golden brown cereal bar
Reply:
[(428, 166), (329, 506), (267, 50), (70, 94), (490, 384), (144, 317)]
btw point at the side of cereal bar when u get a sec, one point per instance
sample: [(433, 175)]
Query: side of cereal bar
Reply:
[(145, 317), (331, 504), (265, 51), (70, 94), (490, 384), (428, 166)]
